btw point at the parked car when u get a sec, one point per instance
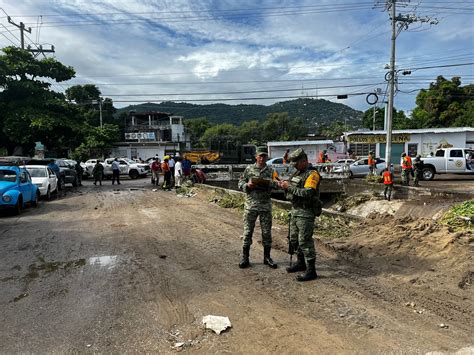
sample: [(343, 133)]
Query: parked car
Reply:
[(16, 188), (67, 172), (44, 178), (127, 167), (279, 167), (344, 161), (360, 168)]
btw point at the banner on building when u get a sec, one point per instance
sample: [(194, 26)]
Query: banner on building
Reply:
[(378, 138), (146, 136)]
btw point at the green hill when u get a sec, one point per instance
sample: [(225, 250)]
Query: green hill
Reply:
[(313, 111)]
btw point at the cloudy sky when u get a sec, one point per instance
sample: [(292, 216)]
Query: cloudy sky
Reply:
[(239, 51)]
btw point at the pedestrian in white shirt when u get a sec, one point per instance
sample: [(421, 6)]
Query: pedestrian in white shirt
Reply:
[(178, 173)]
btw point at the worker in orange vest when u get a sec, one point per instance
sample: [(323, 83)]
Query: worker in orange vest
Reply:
[(371, 163), (406, 169), (388, 182), (322, 156)]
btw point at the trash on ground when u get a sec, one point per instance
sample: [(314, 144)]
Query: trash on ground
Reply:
[(216, 323)]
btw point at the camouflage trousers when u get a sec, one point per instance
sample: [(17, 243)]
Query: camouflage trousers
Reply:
[(406, 176), (301, 236), (250, 217), (417, 177), (387, 192)]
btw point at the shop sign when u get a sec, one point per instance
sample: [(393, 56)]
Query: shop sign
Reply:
[(378, 138)]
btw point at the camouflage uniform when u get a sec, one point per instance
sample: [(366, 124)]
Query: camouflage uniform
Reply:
[(418, 167), (303, 191), (257, 203)]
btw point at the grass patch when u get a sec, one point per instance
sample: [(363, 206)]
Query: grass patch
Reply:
[(331, 227), (460, 216), (226, 200)]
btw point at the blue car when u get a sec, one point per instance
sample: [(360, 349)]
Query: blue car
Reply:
[(16, 188)]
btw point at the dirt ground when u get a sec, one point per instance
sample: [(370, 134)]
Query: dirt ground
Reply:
[(104, 270)]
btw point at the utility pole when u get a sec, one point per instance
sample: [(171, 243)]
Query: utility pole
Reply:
[(391, 93), (22, 28), (403, 22), (39, 49)]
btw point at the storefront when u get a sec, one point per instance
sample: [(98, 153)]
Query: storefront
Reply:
[(412, 142)]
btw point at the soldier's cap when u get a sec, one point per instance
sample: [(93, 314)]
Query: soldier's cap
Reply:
[(262, 150), (297, 155)]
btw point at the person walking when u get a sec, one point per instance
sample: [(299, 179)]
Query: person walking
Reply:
[(178, 173), (388, 183), (171, 164), (406, 169), (155, 171), (303, 192), (79, 171), (257, 182), (115, 171), (165, 168), (98, 172), (418, 167)]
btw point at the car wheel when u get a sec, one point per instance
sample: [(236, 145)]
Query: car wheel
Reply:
[(61, 183), (18, 206), (35, 202), (134, 174), (428, 174), (48, 193)]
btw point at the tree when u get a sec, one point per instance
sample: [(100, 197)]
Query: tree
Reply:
[(334, 130), (97, 141), (218, 133), (87, 98), (29, 109), (251, 132), (195, 128), (444, 104), (279, 127), (400, 120)]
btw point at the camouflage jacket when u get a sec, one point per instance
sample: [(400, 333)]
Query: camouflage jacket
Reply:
[(258, 198), (302, 192)]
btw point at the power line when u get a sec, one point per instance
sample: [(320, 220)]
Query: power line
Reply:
[(244, 92)]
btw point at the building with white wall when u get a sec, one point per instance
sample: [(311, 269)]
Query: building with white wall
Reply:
[(335, 150), (147, 134), (411, 141)]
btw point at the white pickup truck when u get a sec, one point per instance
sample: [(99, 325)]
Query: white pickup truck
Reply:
[(449, 161), (127, 167)]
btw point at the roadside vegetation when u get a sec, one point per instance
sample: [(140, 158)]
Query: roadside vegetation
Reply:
[(460, 217)]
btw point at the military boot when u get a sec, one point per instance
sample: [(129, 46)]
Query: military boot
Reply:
[(244, 262), (310, 273), (300, 264), (267, 260)]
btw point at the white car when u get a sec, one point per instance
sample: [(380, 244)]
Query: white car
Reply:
[(127, 167), (44, 178), (344, 161)]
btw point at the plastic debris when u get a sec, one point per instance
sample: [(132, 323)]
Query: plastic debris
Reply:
[(216, 323), (178, 345)]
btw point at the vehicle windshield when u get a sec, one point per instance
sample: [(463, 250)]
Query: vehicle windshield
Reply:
[(7, 175), (37, 172)]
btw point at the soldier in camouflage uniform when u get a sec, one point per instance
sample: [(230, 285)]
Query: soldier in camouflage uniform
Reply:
[(418, 167), (303, 192), (257, 182)]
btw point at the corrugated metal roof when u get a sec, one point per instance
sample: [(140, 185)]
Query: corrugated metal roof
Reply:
[(289, 143), (419, 131)]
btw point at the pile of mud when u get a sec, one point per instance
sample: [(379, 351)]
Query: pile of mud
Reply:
[(415, 248)]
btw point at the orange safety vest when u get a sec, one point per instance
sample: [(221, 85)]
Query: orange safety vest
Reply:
[(371, 161), (321, 157), (387, 178), (165, 167), (406, 164)]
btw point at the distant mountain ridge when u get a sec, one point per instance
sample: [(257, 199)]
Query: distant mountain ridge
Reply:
[(314, 112)]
